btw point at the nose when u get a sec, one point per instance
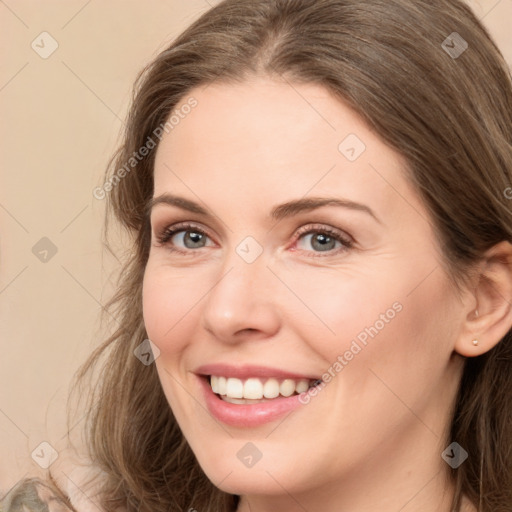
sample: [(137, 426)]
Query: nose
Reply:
[(243, 303)]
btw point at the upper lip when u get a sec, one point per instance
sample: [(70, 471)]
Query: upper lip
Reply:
[(247, 371)]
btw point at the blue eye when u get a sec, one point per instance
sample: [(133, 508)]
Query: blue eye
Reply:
[(189, 239), (184, 237), (322, 240), (315, 240)]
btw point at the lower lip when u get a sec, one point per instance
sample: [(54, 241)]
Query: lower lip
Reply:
[(240, 415)]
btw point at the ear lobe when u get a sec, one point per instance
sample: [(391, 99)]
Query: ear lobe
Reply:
[(492, 319)]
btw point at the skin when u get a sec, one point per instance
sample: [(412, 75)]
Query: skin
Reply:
[(372, 438)]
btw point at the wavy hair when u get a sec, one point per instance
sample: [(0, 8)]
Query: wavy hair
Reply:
[(449, 115)]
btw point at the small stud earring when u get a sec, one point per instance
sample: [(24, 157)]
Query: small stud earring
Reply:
[(475, 342)]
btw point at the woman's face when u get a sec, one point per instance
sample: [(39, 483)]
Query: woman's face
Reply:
[(287, 246)]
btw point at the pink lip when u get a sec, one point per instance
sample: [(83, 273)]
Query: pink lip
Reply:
[(246, 415), (246, 371)]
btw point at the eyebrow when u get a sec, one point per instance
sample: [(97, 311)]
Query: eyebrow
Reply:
[(180, 202), (307, 204), (278, 213)]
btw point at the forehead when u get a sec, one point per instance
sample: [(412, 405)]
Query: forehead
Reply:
[(275, 141)]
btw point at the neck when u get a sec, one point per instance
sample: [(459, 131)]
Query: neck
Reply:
[(435, 496)]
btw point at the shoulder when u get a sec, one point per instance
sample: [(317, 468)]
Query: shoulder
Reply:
[(82, 486), (35, 494), (75, 489)]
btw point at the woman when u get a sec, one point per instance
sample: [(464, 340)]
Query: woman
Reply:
[(318, 197)]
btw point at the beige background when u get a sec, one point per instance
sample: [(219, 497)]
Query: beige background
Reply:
[(60, 121)]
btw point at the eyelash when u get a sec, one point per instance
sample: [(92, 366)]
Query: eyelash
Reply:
[(166, 234)]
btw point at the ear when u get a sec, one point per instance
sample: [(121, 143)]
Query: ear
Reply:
[(491, 317)]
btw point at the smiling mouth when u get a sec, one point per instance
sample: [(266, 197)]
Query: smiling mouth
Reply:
[(256, 390)]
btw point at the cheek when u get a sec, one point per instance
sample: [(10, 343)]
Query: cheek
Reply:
[(348, 305), (377, 318), (170, 301)]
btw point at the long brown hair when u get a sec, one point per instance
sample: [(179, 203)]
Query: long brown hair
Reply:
[(404, 67)]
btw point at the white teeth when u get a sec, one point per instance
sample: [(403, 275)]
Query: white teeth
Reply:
[(234, 388), (256, 389), (214, 383), (222, 385), (287, 387), (253, 388), (271, 388), (302, 386)]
